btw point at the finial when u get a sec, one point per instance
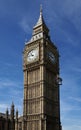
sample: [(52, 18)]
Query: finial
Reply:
[(41, 9)]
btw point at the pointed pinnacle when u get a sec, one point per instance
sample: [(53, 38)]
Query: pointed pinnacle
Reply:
[(41, 9)]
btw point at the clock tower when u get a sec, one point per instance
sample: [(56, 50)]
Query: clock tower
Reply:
[(41, 81)]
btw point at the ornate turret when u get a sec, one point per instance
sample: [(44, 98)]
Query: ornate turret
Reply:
[(7, 120), (12, 117), (16, 114), (16, 120), (12, 111), (7, 113)]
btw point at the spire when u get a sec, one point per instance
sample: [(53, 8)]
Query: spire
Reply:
[(12, 111), (40, 30), (41, 19), (12, 105), (41, 10), (16, 114), (7, 112)]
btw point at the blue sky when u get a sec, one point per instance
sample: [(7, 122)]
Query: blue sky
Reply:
[(63, 18)]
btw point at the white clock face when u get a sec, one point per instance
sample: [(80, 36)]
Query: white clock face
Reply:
[(51, 56), (32, 55)]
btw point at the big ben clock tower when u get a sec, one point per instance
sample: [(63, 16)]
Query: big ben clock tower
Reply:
[(41, 81)]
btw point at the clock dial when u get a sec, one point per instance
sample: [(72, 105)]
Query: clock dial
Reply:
[(32, 55), (51, 56)]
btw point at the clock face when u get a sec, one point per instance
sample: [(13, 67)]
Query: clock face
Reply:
[(32, 55), (51, 57)]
